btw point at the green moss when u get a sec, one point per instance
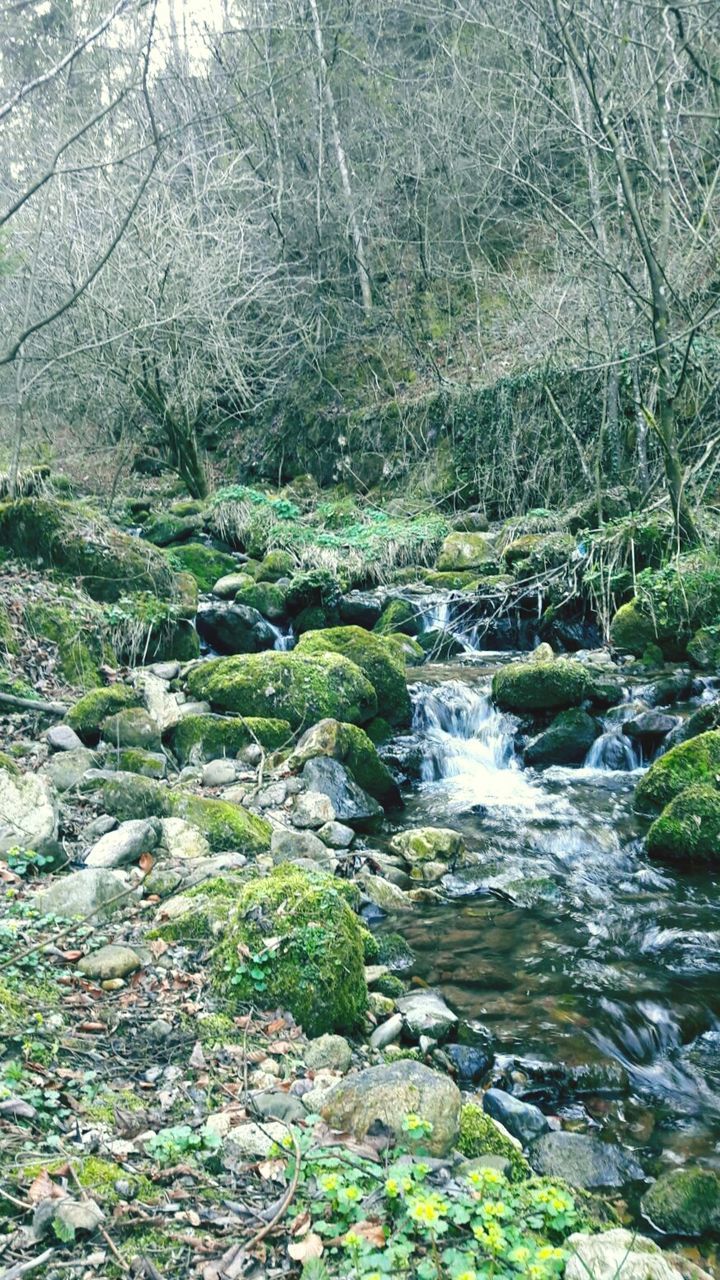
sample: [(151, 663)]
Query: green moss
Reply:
[(449, 581), (169, 528), (127, 795), (399, 616), (312, 587), (684, 1202), (135, 760), (317, 969), (390, 985), (78, 635), (407, 647), (86, 716), (267, 597), (688, 829), (704, 648), (352, 747), (205, 564), (15, 685), (690, 763), (536, 686), (77, 541), (379, 661), (226, 826), (468, 551), (371, 950), (299, 687), (440, 645), (276, 564), (480, 1137), (631, 631), (394, 951), (209, 737), (378, 730), (520, 548), (98, 1177)]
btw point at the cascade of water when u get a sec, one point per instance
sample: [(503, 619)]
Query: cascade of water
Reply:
[(284, 640), (614, 751)]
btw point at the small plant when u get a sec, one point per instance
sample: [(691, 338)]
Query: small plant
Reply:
[(173, 1145), (26, 862)]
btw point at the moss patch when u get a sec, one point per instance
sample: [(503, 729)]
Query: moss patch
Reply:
[(209, 737), (688, 829), (480, 1137), (315, 970), (226, 826), (87, 714), (299, 687), (539, 686), (380, 662), (352, 747), (205, 564), (690, 763)]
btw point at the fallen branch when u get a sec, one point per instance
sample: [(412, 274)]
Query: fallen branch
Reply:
[(21, 1268), (34, 704)]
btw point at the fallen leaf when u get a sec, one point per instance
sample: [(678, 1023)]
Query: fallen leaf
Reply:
[(197, 1057), (272, 1170), (304, 1250), (145, 862), (72, 955), (279, 1047), (95, 1027), (158, 947), (372, 1230), (301, 1224), (43, 1188)]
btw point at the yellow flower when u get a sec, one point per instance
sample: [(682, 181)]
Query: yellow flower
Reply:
[(486, 1178), (467, 1275), (352, 1240), (519, 1254), (549, 1252), (427, 1212), (352, 1193), (392, 1188), (493, 1209), (560, 1203), (286, 1141), (330, 1182)]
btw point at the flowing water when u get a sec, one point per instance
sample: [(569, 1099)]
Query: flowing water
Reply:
[(562, 938)]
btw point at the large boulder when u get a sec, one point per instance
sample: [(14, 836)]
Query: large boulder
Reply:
[(584, 1161), (624, 1255), (292, 941), (425, 1013), (94, 891), (78, 541), (200, 738), (688, 829), (632, 631), (87, 715), (684, 1202), (269, 598), (399, 617), (430, 844), (350, 803), (704, 648), (468, 551), (236, 628), (351, 746), (692, 763), (125, 844), (204, 563), (540, 686), (390, 1093), (566, 741), (380, 663), (28, 812), (299, 687)]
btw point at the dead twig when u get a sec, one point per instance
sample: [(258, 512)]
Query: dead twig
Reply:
[(22, 1268)]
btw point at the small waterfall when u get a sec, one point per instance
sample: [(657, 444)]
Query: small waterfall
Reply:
[(614, 751), (284, 640)]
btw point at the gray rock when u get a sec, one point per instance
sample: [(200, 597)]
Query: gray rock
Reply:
[(180, 839), (272, 797), (523, 1120), (388, 897), (62, 738), (99, 827), (132, 727), (336, 835), (273, 1104), (235, 628), (425, 1013), (472, 1062), (84, 893), (28, 812), (312, 809), (287, 845), (109, 962), (388, 1094), (160, 1029), (253, 1141), (388, 1032), (650, 726), (623, 1255), (165, 670), (161, 704), (219, 773), (349, 801), (124, 845), (227, 587), (584, 1161), (331, 1053), (66, 769)]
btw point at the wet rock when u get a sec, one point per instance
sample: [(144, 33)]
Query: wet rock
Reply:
[(219, 773), (329, 1052), (623, 1255), (287, 845), (425, 1013), (312, 809), (388, 897), (387, 1094), (125, 844), (62, 738), (540, 686), (430, 844), (440, 645), (110, 962), (567, 741), (227, 587), (351, 746), (350, 803), (66, 769), (684, 1202), (584, 1161), (28, 812), (524, 1121), (84, 893), (650, 727), (705, 719), (235, 629), (359, 609), (471, 1062), (336, 835), (675, 688)]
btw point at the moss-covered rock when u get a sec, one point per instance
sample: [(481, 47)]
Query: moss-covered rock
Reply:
[(225, 826), (147, 764), (167, 529), (704, 648), (352, 747), (276, 564), (429, 844), (379, 662), (449, 581), (631, 631), (690, 763), (440, 645), (88, 714), (205, 564), (566, 741), (480, 1136), (688, 829), (267, 597), (312, 587), (208, 737), (15, 685), (407, 647), (314, 967), (467, 551), (227, 587), (540, 686), (80, 543), (131, 727), (684, 1202), (78, 630), (299, 687), (399, 616), (315, 618)]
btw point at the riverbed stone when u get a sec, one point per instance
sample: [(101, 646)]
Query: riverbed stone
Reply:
[(523, 1120), (219, 773), (468, 550), (688, 830), (619, 1254), (181, 839), (430, 844), (684, 1202), (62, 738), (336, 835), (28, 812), (66, 768), (425, 1013), (696, 762), (312, 809), (379, 661), (125, 844), (328, 1052), (388, 1094), (109, 962), (227, 587), (287, 845), (351, 746), (566, 741), (235, 628), (84, 893), (388, 897), (584, 1161), (350, 803), (388, 1032), (472, 1062), (132, 727), (540, 686)]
